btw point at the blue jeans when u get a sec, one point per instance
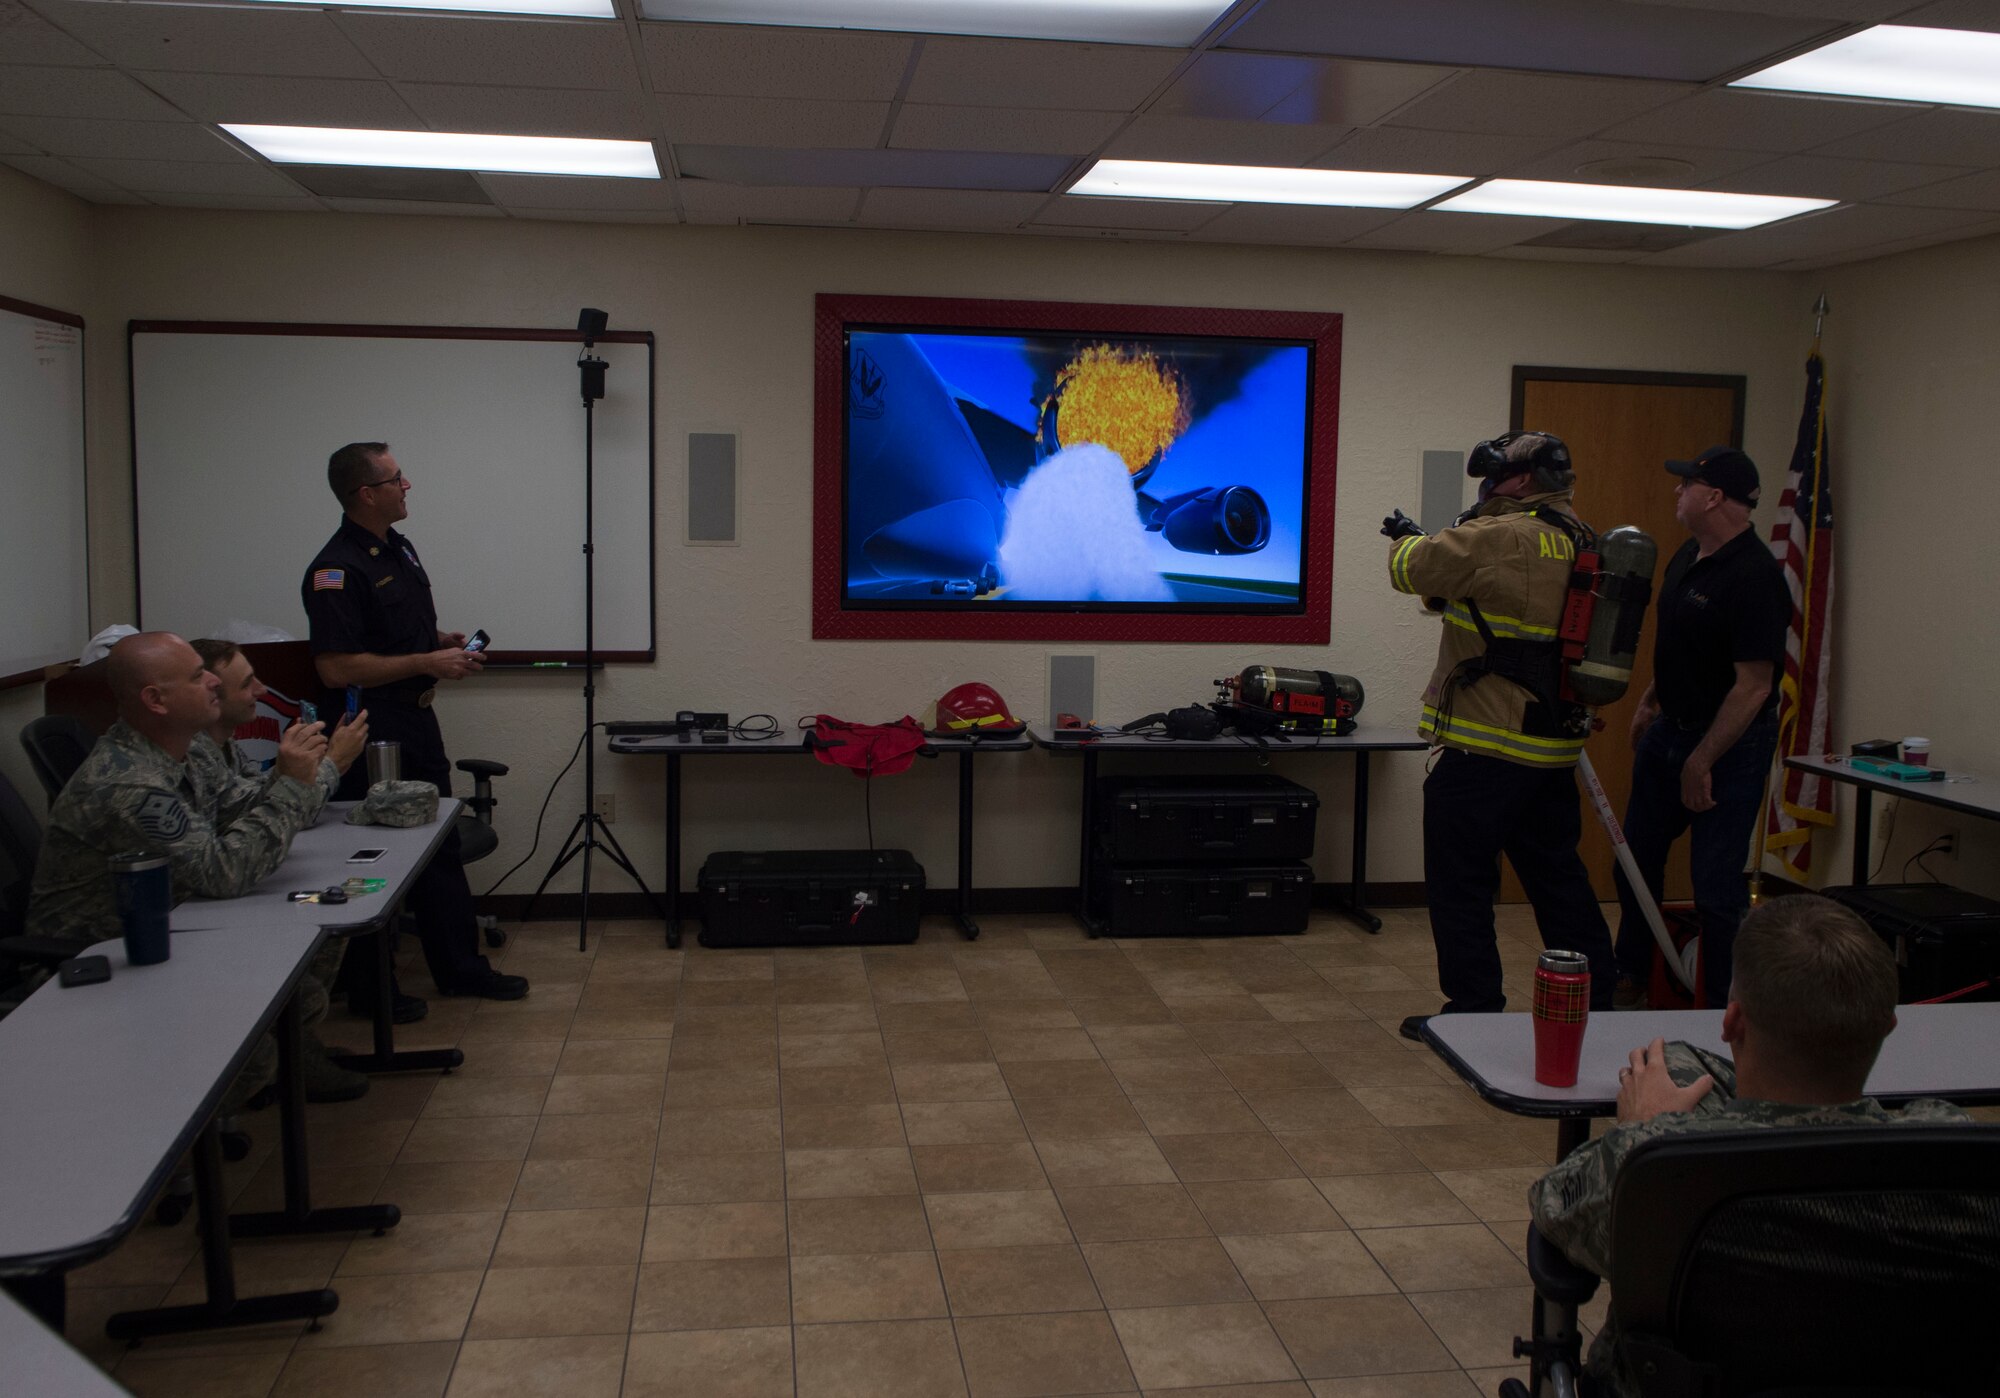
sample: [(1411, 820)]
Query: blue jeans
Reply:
[(1719, 842)]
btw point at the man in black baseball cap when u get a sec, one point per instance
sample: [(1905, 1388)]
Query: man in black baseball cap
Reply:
[(1725, 468), (1707, 724)]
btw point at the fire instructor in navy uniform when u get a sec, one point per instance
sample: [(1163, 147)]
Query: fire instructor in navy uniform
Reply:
[(374, 625)]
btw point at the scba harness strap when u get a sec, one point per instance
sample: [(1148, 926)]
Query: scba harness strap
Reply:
[(1535, 665)]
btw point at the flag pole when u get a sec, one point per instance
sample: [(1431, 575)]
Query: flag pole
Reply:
[(1819, 313)]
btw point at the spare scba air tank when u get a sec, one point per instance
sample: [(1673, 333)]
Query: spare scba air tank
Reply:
[(1601, 642)]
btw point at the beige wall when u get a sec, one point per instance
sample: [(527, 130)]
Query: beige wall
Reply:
[(1913, 347), (1429, 346), (45, 259)]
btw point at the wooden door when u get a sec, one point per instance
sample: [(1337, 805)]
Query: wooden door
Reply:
[(1621, 429)]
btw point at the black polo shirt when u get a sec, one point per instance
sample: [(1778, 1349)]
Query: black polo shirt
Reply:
[(1731, 606), (370, 596)]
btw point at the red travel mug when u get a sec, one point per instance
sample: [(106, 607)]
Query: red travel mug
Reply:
[(1562, 1006)]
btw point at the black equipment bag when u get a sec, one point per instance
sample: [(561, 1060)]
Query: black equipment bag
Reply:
[(1256, 900), (1945, 939), (1176, 819), (788, 898)]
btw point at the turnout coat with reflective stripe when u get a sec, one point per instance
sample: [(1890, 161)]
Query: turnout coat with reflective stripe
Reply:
[(1516, 566)]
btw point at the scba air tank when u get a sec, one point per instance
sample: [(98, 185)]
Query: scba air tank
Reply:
[(1626, 558), (1272, 687)]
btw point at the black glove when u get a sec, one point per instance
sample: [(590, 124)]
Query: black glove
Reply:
[(1400, 526)]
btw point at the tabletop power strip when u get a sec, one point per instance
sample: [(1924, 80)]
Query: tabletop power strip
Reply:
[(687, 725)]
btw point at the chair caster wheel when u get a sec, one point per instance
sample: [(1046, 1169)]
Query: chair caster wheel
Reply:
[(170, 1211), (235, 1146)]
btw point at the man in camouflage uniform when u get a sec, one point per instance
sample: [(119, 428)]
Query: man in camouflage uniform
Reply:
[(1814, 996), (140, 792), (325, 1080)]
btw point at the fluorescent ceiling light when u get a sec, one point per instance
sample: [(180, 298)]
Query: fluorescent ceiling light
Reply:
[(1177, 23), (571, 9), (1259, 184), (438, 150), (1956, 67), (1697, 208)]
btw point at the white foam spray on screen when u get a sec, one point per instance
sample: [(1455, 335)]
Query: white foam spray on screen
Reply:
[(1073, 533)]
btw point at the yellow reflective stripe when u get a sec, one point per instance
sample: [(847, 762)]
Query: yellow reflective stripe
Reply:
[(1399, 563), (1508, 626), (1553, 752)]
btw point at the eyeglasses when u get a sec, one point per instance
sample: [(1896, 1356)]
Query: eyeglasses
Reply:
[(396, 479)]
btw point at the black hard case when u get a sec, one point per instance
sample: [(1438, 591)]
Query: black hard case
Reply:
[(1258, 900), (787, 898), (1945, 939), (1177, 819)]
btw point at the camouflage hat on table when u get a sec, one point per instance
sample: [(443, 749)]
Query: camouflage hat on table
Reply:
[(401, 804)]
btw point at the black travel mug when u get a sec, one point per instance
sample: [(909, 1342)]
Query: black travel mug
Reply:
[(144, 888)]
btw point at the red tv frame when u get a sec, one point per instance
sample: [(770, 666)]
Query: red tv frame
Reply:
[(833, 314)]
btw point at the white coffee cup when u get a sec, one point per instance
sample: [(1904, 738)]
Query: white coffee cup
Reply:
[(1917, 751)]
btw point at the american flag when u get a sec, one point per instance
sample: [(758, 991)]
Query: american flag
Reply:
[(1802, 541)]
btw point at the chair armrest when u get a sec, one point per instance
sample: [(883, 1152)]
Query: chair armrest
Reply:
[(41, 951), (1557, 1278), (481, 768)]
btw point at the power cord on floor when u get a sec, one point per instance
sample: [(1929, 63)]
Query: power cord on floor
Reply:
[(540, 815)]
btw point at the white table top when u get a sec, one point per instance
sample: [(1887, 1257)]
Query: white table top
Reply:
[(1948, 1051), (1365, 737), (106, 1085), (318, 859), (1962, 791), (38, 1361), (790, 740)]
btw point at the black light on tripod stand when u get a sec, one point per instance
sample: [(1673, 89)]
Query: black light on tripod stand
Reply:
[(591, 831), (590, 323)]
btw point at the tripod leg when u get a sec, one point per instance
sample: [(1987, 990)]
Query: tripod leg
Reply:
[(616, 853), (572, 846)]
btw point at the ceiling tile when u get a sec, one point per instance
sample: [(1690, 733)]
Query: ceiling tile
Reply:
[(531, 111), (284, 101), (1167, 215), (140, 140), (1956, 14), (427, 208), (1207, 142), (1852, 181), (79, 92), (1409, 151), (1294, 224), (578, 192), (504, 52), (1941, 136), (1976, 191), (760, 61), (1564, 36), (1533, 104), (1767, 121), (1025, 73), (1867, 11), (696, 119), (728, 203), (977, 209), (597, 215), (1427, 230), (1925, 240), (1281, 87), (1836, 231), (378, 182), (916, 169), (1528, 252), (50, 169), (269, 203), (923, 127), (215, 39), (31, 39), (190, 176), (1605, 162)]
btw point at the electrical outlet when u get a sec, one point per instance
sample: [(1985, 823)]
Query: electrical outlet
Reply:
[(1947, 846), (607, 806)]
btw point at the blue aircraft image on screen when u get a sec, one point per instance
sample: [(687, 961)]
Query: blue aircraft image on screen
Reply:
[(946, 432)]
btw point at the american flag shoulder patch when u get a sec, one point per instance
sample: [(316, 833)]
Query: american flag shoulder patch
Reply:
[(329, 579)]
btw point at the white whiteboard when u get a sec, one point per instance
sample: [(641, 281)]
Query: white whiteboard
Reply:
[(44, 544), (232, 425)]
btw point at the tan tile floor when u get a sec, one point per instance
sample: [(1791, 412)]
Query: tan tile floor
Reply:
[(1028, 1165)]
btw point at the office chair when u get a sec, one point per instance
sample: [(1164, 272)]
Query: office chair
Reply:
[(476, 836), (56, 746), (1862, 1261)]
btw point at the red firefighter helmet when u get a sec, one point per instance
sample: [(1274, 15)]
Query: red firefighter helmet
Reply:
[(971, 710)]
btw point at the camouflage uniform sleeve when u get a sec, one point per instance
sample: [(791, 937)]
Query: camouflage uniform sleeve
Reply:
[(1571, 1204), (216, 863)]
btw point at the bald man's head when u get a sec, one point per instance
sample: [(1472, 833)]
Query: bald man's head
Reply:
[(161, 685)]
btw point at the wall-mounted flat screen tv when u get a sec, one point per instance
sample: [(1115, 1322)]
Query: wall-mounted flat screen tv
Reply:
[(1050, 470)]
